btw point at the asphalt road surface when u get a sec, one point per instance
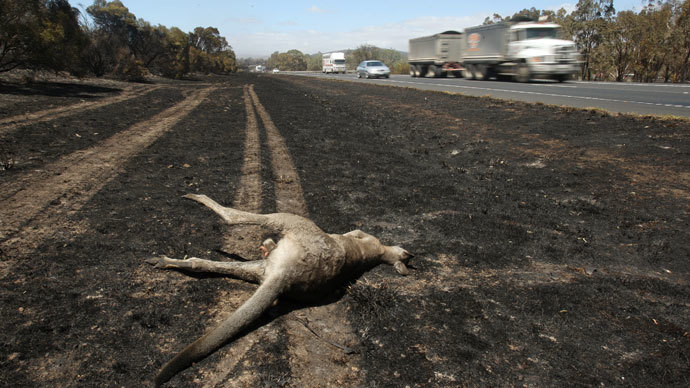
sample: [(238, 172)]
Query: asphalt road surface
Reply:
[(645, 99)]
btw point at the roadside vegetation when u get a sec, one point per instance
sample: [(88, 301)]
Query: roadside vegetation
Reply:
[(295, 60), (395, 60), (292, 60), (51, 35)]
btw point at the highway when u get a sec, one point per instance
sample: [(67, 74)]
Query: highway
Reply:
[(643, 99)]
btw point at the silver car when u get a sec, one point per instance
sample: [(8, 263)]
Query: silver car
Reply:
[(373, 69)]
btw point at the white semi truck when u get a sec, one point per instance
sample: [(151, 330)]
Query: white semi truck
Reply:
[(521, 51), (333, 63), (436, 55), (509, 50)]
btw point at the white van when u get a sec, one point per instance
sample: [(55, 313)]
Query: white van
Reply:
[(333, 63)]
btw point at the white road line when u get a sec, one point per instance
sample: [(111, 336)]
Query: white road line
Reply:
[(631, 84), (554, 86), (539, 93)]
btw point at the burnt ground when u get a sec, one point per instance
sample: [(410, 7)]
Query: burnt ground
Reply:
[(551, 245)]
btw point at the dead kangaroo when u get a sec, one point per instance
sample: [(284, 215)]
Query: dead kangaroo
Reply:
[(304, 264)]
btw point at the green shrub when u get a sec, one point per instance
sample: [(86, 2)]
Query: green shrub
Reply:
[(129, 68), (400, 68)]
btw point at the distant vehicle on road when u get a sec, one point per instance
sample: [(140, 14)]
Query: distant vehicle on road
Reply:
[(260, 69), (372, 69), (333, 63), (276, 71), (436, 55)]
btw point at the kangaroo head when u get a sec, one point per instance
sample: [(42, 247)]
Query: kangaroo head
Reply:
[(397, 257), (393, 255)]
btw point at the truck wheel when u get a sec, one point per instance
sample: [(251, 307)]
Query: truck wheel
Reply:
[(412, 72), (431, 72), (422, 71), (479, 72), (467, 72), (418, 71), (523, 74), (438, 71), (472, 70), (562, 78)]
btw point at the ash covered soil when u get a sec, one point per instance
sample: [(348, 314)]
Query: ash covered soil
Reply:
[(551, 245)]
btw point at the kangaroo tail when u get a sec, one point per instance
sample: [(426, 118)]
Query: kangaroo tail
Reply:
[(262, 299)]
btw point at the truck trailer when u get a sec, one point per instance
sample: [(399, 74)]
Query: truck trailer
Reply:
[(333, 63), (436, 55), (518, 50)]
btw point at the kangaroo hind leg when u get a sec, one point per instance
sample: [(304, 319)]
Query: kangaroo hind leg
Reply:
[(251, 271), (229, 215)]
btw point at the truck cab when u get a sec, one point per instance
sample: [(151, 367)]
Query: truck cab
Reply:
[(333, 63), (537, 51)]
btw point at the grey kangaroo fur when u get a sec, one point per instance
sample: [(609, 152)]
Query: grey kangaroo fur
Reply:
[(304, 264)]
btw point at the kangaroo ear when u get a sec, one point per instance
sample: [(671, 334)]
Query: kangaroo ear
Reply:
[(401, 268)]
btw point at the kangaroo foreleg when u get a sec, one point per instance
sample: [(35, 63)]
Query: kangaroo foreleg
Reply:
[(251, 271)]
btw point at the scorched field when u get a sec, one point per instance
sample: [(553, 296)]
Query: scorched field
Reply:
[(551, 245)]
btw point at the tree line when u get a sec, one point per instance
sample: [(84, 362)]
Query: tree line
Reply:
[(295, 60), (646, 46), (52, 35)]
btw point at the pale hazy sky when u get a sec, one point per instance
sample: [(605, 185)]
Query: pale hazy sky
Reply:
[(258, 28)]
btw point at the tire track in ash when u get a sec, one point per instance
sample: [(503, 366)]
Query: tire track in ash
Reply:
[(46, 198), (288, 190), (10, 124), (248, 196), (240, 240), (313, 363)]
